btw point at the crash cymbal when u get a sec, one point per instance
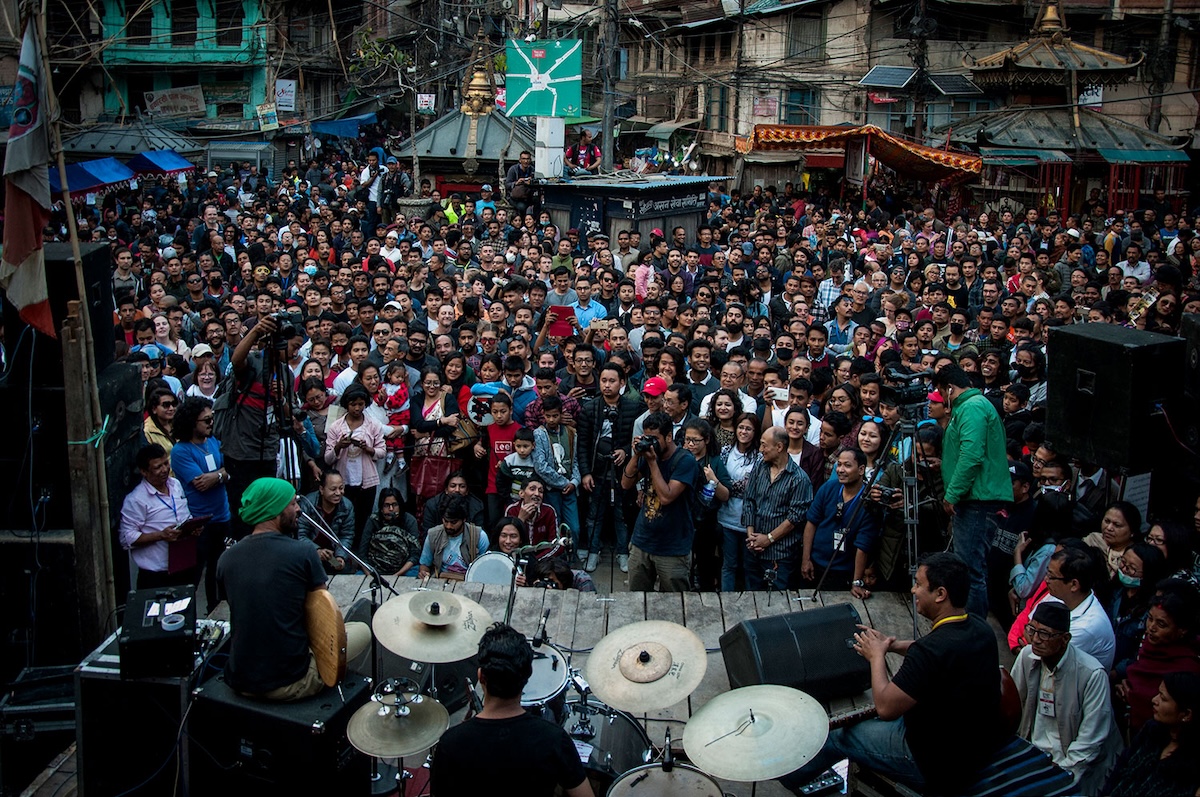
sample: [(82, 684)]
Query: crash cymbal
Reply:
[(385, 729), (756, 733), (431, 626), (646, 666)]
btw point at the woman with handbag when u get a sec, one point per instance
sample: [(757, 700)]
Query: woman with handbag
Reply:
[(435, 419)]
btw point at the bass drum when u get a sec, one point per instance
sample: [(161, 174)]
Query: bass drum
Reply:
[(609, 741), (682, 781), (492, 567)]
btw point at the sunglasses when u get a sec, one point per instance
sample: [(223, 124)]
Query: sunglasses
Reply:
[(168, 403), (875, 418)]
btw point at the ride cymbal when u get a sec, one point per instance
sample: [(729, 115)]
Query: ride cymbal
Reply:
[(756, 733)]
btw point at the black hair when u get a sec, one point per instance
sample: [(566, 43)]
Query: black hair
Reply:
[(947, 570), (147, 453), (552, 403), (354, 392), (1077, 565), (184, 424), (658, 422), (524, 434), (505, 661), (838, 421)]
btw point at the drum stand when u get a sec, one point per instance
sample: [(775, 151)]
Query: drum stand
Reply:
[(378, 584)]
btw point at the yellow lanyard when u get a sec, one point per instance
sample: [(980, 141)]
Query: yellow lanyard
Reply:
[(955, 619)]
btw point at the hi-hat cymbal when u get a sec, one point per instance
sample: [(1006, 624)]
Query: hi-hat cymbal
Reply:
[(382, 729), (646, 666), (756, 733), (431, 626)]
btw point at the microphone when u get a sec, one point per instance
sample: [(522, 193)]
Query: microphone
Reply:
[(668, 762), (540, 637)]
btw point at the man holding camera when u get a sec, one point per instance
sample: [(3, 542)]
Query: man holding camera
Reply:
[(662, 535)]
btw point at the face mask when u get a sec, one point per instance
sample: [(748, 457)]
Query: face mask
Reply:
[(783, 354), (957, 329), (215, 282), (902, 325), (338, 350), (1128, 581), (310, 271), (1026, 370), (511, 257)]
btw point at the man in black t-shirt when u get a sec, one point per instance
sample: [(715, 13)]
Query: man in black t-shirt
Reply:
[(503, 749), (939, 718)]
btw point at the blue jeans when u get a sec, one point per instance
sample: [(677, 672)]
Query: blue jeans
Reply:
[(756, 567), (972, 530), (607, 495), (875, 744), (733, 551), (567, 508)]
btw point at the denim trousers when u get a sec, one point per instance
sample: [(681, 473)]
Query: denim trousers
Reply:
[(972, 532), (607, 495), (757, 577), (733, 555), (567, 509), (876, 744)]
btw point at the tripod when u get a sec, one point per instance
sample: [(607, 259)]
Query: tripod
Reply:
[(279, 384)]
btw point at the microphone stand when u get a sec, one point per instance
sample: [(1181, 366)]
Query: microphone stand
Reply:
[(378, 584), (518, 566)]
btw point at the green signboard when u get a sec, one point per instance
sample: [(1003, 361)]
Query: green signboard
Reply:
[(544, 78)]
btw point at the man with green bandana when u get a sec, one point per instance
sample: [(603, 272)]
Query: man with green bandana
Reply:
[(266, 578)]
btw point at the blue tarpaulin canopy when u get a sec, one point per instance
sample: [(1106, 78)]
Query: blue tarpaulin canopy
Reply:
[(159, 161), (91, 176), (343, 128)]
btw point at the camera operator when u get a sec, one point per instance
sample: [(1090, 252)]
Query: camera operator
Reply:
[(248, 427), (661, 547)]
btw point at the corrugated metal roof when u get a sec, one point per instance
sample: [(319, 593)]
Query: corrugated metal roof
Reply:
[(447, 137), (1038, 128), (1147, 156), (140, 136), (646, 182)]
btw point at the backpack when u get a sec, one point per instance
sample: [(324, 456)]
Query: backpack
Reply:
[(390, 547)]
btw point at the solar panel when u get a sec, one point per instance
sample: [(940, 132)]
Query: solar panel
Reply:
[(953, 85), (888, 77)]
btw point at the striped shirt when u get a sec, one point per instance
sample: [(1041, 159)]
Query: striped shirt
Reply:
[(768, 503)]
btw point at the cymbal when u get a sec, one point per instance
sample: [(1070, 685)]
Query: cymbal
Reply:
[(756, 733), (380, 729), (646, 666), (431, 626)]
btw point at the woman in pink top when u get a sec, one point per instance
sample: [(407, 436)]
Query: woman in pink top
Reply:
[(355, 443)]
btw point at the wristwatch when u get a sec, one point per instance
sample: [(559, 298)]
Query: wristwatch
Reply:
[(858, 582), (770, 537)]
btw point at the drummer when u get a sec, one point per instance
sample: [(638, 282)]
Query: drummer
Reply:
[(503, 744), (452, 545), (266, 578)]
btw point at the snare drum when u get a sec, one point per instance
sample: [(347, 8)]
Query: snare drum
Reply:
[(546, 692), (492, 567), (609, 741), (682, 781)]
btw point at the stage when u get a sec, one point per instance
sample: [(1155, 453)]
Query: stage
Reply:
[(577, 621)]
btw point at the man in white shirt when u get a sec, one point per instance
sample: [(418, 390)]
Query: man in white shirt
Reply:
[(151, 517), (359, 348), (371, 178), (1069, 577)]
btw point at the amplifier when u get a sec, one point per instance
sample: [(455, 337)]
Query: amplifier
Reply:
[(812, 651), (158, 637), (244, 745)]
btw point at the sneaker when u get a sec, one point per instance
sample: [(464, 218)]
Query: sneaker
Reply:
[(583, 555), (623, 562), (593, 561)]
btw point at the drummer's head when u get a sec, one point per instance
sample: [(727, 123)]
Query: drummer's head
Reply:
[(454, 515), (505, 662)]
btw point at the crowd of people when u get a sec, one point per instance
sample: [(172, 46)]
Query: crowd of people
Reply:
[(719, 409)]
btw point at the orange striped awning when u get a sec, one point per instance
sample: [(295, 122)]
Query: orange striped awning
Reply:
[(905, 157)]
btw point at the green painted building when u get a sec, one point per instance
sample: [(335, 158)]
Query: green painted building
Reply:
[(159, 54)]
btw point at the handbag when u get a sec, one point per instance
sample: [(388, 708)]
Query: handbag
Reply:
[(466, 434), (429, 474)]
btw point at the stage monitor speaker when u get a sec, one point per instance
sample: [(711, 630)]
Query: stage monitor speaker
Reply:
[(1107, 387), (812, 651), (60, 280), (1189, 330), (241, 745)]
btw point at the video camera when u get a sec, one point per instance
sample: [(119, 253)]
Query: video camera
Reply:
[(911, 390), (285, 330)]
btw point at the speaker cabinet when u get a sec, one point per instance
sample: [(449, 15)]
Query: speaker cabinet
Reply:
[(812, 651), (1106, 392), (1189, 330)]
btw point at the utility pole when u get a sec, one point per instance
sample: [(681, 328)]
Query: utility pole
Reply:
[(1161, 76), (609, 54), (922, 27)]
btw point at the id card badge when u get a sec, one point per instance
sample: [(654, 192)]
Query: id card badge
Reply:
[(210, 462), (839, 541), (1045, 703)]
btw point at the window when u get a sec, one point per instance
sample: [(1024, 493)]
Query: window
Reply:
[(717, 111), (806, 37), (710, 48), (230, 18), (139, 21), (726, 45), (800, 107), (183, 23), (647, 47)]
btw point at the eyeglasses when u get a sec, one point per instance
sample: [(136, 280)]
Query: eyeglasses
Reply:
[(692, 441), (875, 418), (1032, 633)]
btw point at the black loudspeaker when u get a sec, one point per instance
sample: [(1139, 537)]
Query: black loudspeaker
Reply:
[(1107, 387), (60, 280), (1189, 330), (449, 679), (241, 745), (812, 651)]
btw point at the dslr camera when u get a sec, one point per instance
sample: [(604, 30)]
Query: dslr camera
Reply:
[(647, 443), (285, 330)]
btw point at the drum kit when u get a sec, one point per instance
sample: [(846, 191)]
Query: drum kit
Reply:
[(749, 734)]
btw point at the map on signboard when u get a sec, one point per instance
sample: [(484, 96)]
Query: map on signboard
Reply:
[(545, 78)]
